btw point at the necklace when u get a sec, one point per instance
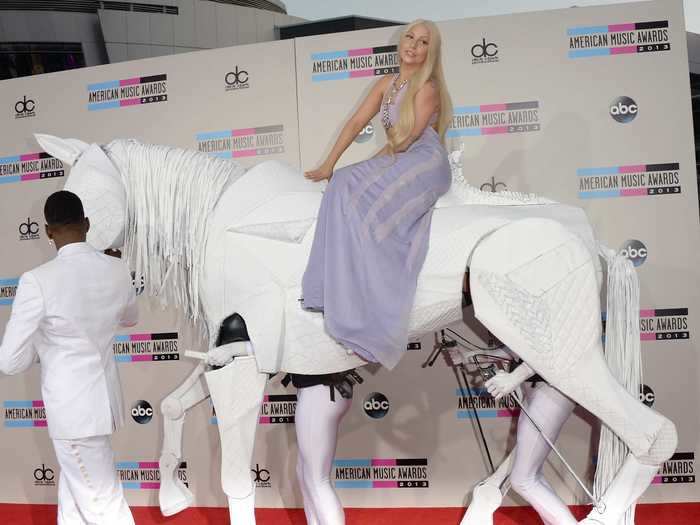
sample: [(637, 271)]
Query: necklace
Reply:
[(393, 90)]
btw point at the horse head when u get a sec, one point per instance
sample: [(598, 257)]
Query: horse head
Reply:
[(96, 180)]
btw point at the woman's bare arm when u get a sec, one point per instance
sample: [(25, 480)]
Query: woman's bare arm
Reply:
[(369, 108)]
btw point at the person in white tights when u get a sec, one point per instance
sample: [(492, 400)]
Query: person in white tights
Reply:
[(317, 421), (523, 466), (550, 409)]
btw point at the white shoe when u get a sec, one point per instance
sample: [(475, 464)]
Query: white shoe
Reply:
[(628, 485), (485, 500)]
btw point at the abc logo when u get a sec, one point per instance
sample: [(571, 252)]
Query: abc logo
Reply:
[(142, 412), (646, 395), (624, 109), (366, 134), (635, 251), (483, 49), (376, 405)]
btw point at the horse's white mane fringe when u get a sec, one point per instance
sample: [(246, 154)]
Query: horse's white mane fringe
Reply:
[(468, 194), (170, 194)]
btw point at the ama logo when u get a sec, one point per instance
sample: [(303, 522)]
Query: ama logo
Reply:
[(635, 251), (381, 473), (679, 469), (376, 405)]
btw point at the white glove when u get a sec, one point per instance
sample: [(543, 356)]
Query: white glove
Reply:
[(456, 355), (503, 383)]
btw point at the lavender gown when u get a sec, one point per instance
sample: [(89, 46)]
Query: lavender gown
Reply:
[(370, 244)]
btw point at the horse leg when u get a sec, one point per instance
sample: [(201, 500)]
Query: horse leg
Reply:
[(173, 495), (534, 285), (237, 393)]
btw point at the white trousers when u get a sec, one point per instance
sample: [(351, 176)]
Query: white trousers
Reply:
[(89, 490), (317, 419)]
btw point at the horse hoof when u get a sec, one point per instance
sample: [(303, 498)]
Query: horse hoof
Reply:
[(174, 498)]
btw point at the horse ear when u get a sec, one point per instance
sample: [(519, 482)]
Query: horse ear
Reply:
[(67, 150)]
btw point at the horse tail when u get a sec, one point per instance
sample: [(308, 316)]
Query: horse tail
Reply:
[(623, 357)]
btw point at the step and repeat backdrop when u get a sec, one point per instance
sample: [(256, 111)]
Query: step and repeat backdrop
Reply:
[(589, 106)]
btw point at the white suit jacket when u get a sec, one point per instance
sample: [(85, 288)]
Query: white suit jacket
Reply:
[(67, 311)]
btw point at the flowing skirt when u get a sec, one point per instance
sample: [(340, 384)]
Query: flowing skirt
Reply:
[(370, 244)]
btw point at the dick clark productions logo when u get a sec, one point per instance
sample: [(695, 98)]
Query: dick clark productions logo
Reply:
[(44, 476), (237, 79), (25, 107), (484, 52), (28, 230)]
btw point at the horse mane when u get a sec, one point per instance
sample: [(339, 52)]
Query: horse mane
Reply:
[(170, 193), (465, 193)]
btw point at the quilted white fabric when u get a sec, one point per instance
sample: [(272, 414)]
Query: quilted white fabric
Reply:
[(259, 235), (554, 323), (255, 262)]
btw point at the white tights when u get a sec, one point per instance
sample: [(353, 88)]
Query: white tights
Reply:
[(550, 409), (317, 420)]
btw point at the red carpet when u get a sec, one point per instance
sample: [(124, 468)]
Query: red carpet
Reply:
[(650, 514)]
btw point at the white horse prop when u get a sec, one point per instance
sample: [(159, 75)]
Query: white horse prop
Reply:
[(229, 246)]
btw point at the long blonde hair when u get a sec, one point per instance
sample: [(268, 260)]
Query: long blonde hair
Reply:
[(430, 70)]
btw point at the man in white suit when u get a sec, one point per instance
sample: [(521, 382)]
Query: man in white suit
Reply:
[(66, 313)]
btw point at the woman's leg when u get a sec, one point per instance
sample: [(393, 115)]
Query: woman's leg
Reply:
[(550, 409), (317, 420), (309, 510)]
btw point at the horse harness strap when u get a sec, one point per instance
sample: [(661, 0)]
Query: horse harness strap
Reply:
[(343, 382)]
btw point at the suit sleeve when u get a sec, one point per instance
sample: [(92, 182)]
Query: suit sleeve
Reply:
[(130, 314), (17, 352)]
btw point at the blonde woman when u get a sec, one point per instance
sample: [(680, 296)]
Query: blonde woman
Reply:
[(372, 230), (370, 243)]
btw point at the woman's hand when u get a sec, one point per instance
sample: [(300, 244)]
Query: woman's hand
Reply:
[(320, 173)]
